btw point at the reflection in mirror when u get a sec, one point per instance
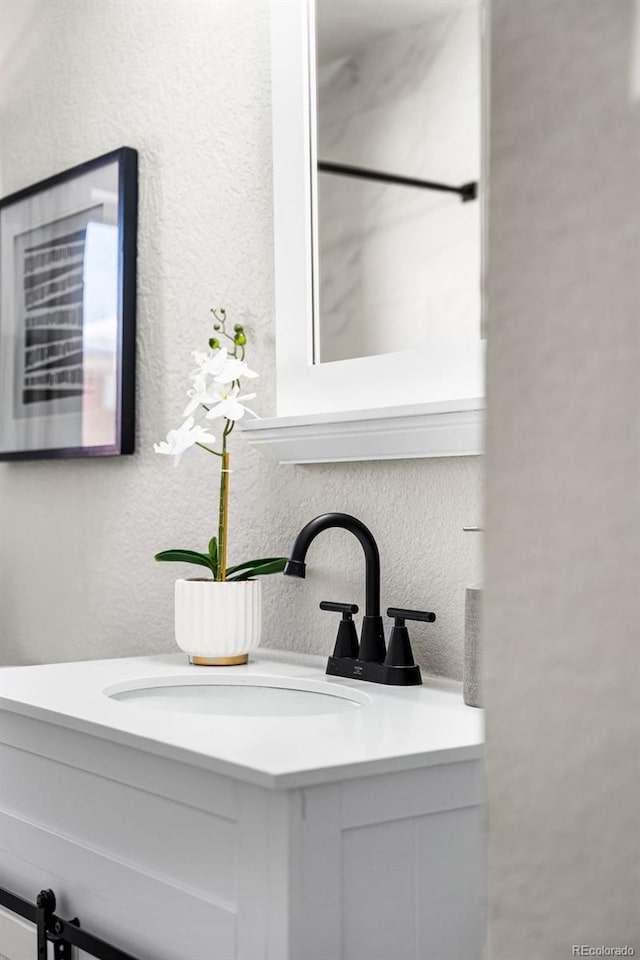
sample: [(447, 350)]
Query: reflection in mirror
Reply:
[(398, 99)]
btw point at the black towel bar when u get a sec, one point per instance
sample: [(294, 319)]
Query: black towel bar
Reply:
[(466, 192)]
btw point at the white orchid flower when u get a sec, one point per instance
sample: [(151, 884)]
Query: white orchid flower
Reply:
[(228, 404), (209, 363), (233, 369), (178, 441), (198, 395)]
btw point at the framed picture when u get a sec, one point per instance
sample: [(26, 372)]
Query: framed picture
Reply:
[(67, 312)]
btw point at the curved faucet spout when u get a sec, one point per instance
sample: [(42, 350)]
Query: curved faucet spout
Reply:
[(296, 566), (372, 645)]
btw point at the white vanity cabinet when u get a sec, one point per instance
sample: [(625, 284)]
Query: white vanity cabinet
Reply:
[(172, 853)]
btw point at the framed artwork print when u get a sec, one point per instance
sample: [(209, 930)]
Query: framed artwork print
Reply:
[(67, 312)]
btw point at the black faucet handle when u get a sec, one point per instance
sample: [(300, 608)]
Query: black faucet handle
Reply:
[(347, 639), (399, 653), (401, 615), (346, 609)]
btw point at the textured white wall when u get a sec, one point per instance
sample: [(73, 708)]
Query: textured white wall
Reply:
[(563, 479), (187, 84)]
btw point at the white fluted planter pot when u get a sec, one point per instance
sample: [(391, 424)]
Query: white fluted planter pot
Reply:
[(218, 623)]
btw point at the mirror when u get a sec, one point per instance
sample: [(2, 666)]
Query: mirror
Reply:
[(377, 119), (397, 217)]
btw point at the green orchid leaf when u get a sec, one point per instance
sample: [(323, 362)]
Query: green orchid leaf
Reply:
[(213, 551), (186, 556), (261, 569), (253, 563)]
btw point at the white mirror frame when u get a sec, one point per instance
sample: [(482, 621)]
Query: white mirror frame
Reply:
[(423, 403)]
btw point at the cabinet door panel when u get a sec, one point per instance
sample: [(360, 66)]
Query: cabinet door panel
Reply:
[(378, 890), (451, 884)]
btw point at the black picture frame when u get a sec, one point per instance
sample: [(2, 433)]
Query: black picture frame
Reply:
[(54, 389)]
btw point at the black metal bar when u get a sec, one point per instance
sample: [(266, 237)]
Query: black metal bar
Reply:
[(77, 937), (61, 950), (50, 928), (64, 934), (17, 905), (45, 905), (466, 192)]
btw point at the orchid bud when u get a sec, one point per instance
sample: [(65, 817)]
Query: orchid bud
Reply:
[(240, 339), (214, 343)]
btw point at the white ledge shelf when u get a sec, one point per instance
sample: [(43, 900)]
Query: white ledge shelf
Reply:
[(453, 428)]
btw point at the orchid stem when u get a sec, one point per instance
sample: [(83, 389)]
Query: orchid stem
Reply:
[(223, 512), (208, 449)]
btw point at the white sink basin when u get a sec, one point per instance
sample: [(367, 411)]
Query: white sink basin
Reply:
[(285, 723), (239, 696)]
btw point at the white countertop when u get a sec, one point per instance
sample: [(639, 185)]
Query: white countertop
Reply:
[(394, 728)]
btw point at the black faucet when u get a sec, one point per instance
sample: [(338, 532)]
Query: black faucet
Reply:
[(372, 645), (368, 660)]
